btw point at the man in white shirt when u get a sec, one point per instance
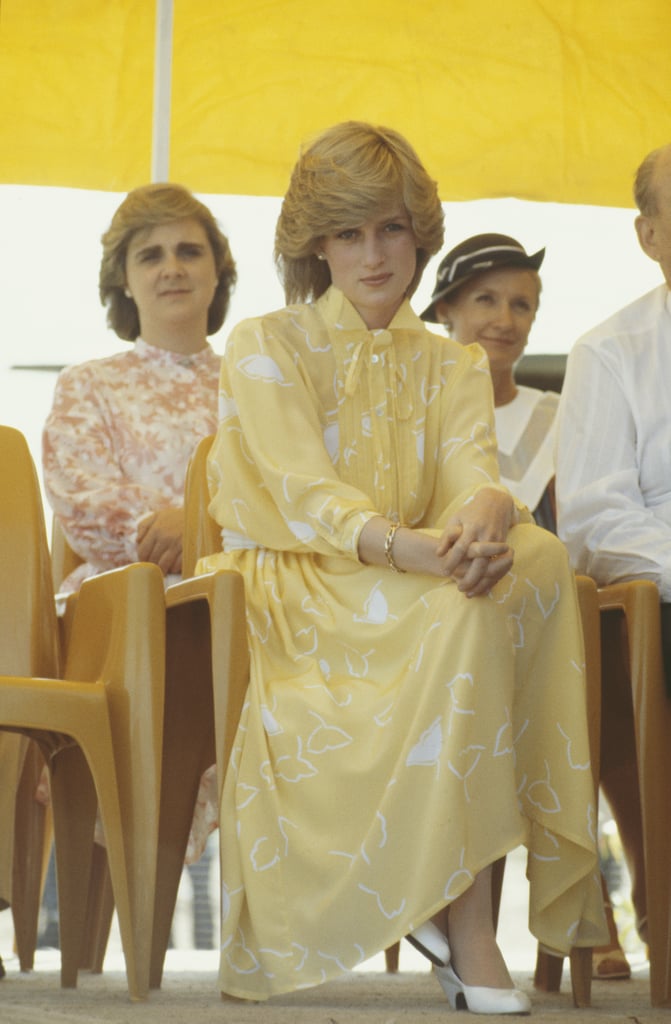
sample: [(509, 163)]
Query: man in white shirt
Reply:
[(613, 483)]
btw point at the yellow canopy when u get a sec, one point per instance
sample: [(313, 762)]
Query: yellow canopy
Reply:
[(540, 99)]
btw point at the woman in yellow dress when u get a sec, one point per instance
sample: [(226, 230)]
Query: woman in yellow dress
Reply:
[(416, 700)]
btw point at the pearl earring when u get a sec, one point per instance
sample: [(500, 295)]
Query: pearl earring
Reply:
[(127, 293), (321, 255)]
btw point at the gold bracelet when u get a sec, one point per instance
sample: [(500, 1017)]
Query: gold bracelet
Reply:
[(388, 542)]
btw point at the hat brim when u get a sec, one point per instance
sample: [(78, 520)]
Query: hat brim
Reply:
[(521, 262)]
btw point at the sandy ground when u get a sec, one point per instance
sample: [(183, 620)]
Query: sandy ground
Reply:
[(189, 994)]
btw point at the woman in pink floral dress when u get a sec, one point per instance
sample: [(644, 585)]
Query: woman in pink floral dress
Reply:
[(121, 430)]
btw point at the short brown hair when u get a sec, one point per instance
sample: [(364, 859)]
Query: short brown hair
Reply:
[(344, 177), (145, 207)]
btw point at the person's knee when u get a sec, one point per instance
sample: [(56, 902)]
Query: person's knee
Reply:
[(535, 547)]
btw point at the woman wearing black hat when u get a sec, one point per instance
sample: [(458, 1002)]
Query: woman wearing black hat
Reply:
[(488, 291)]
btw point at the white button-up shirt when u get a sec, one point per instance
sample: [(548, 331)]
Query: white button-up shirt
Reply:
[(613, 453)]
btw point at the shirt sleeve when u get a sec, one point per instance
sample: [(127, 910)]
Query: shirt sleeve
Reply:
[(602, 517), (98, 506)]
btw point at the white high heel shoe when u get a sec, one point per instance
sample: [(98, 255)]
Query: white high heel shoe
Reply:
[(478, 998), (431, 942)]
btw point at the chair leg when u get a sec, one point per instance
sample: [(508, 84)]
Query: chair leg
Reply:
[(581, 976), (32, 844), (188, 727), (549, 968), (99, 913), (391, 957), (74, 800), (652, 712), (498, 870)]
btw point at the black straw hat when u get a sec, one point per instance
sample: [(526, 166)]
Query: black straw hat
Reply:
[(473, 256)]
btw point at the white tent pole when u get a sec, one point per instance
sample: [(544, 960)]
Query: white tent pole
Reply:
[(160, 143)]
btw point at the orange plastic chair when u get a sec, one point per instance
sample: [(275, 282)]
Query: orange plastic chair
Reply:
[(631, 627), (99, 727), (207, 670), (205, 678), (100, 904), (633, 676)]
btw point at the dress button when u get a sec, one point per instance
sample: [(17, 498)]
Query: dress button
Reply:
[(375, 358)]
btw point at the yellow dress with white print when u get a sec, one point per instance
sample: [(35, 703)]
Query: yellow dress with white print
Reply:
[(397, 737)]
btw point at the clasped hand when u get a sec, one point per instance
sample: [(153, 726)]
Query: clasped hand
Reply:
[(473, 548)]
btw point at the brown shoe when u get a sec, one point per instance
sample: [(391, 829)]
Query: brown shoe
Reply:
[(610, 965), (609, 962)]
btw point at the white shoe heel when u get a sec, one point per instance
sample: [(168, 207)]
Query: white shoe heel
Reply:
[(431, 942), (479, 999)]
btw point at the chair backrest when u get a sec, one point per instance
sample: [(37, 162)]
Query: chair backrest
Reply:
[(230, 654), (201, 533), (63, 558), (28, 633)]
